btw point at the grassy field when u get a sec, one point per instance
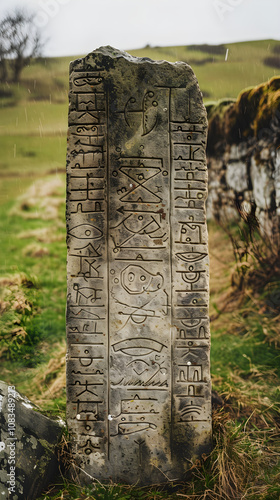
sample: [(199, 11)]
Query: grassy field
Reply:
[(245, 358)]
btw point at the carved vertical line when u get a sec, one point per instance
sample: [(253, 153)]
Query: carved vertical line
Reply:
[(171, 271), (108, 272)]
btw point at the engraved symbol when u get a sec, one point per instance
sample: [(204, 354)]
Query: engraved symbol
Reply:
[(191, 277), (191, 256), (88, 79), (86, 389), (85, 295), (137, 314), (90, 102), (89, 159), (139, 366), (89, 447), (87, 267), (80, 209), (141, 175), (87, 251), (191, 193), (134, 225), (140, 443), (154, 369), (136, 280), (185, 152), (191, 232), (95, 372), (133, 414), (89, 131), (83, 314), (150, 373), (86, 232), (138, 346), (85, 328), (88, 408), (146, 116), (138, 405), (87, 188), (90, 141), (190, 373), (133, 427), (189, 412), (87, 361), (202, 334), (186, 165)]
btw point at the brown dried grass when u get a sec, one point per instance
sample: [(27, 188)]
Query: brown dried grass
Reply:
[(42, 235), (35, 250), (12, 294), (41, 201)]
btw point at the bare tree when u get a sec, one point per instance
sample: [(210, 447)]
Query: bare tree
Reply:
[(20, 41), (3, 64)]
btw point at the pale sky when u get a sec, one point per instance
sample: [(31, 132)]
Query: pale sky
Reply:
[(76, 27)]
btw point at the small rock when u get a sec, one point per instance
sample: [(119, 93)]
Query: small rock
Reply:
[(28, 442)]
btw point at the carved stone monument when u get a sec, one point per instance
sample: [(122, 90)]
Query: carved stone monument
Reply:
[(138, 382)]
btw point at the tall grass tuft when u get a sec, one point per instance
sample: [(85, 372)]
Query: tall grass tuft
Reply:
[(257, 259)]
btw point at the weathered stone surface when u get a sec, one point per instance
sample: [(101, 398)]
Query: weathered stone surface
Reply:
[(139, 399), (28, 442), (263, 184), (236, 176)]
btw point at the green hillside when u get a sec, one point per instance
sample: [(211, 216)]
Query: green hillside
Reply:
[(34, 113), (245, 66)]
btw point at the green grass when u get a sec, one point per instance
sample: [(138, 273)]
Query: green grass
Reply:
[(38, 118), (35, 154), (33, 245)]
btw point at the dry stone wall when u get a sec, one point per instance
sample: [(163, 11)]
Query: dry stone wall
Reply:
[(243, 156), (246, 175)]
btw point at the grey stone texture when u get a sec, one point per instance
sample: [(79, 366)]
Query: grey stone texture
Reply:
[(28, 442), (245, 173), (138, 382)]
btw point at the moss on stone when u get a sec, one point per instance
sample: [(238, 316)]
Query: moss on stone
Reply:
[(253, 111), (216, 112)]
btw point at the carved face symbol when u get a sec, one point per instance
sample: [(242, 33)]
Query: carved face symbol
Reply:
[(136, 280)]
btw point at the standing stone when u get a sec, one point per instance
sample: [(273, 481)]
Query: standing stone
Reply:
[(139, 399)]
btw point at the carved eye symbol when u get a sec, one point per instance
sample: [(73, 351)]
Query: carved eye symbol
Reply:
[(131, 277), (143, 278)]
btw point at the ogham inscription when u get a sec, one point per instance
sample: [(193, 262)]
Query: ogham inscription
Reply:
[(138, 382)]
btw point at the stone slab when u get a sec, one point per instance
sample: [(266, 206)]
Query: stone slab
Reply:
[(138, 382)]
